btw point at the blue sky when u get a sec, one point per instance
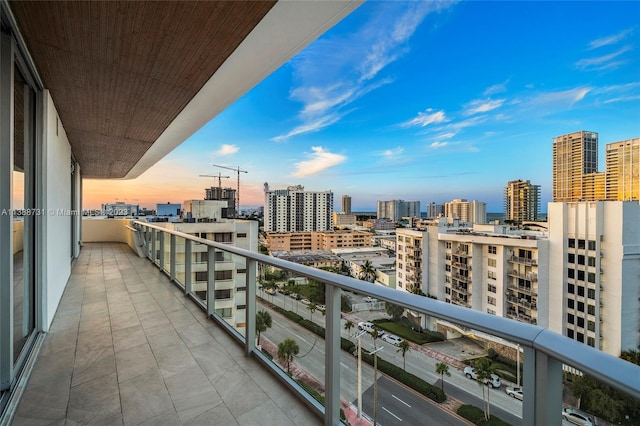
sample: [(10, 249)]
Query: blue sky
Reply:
[(425, 101)]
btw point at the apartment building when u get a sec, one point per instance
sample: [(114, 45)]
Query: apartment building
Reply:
[(521, 201), (294, 209), (623, 170), (466, 211), (434, 210), (329, 240), (344, 219), (489, 268), (574, 155), (594, 265), (346, 204), (395, 210), (382, 261)]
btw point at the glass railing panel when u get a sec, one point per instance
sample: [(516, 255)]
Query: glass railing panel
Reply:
[(157, 247), (166, 249), (230, 290), (180, 256), (199, 270)]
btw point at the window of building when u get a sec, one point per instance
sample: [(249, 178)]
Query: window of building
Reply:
[(202, 295), (591, 261), (241, 289), (492, 289), (591, 309), (448, 244), (219, 256), (223, 237), (223, 294), (491, 275), (571, 289), (399, 256), (447, 268), (491, 300), (241, 271), (491, 262), (571, 273), (569, 333), (225, 312), (580, 291), (241, 307), (580, 275), (581, 244), (241, 235), (580, 337), (572, 243), (492, 249), (202, 276), (591, 277), (571, 303), (591, 293), (580, 259), (580, 322), (224, 275), (581, 306), (571, 258), (591, 326), (592, 245), (491, 311), (570, 318), (447, 290), (591, 341)]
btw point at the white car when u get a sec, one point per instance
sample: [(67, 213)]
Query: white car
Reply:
[(370, 299), (369, 327), (392, 338), (471, 374), (514, 393), (576, 417)]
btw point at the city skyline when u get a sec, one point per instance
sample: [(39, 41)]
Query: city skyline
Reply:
[(417, 101)]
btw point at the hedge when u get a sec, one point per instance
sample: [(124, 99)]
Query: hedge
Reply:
[(404, 331), (476, 416)]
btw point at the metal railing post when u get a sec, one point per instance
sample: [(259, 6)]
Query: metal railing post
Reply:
[(542, 389), (250, 303), (187, 267), (161, 255), (211, 280), (153, 245), (332, 358), (172, 258)]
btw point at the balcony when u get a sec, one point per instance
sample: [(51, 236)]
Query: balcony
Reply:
[(529, 276), (130, 344), (523, 260)]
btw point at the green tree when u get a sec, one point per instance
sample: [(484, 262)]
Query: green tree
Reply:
[(367, 271), (263, 322), (394, 311), (404, 347), (312, 307), (484, 369), (287, 349), (348, 326), (631, 355), (443, 370)]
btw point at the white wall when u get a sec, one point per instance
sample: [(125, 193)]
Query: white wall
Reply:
[(57, 190)]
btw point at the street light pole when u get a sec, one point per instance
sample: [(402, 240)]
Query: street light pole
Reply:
[(358, 336), (375, 385), (518, 364)]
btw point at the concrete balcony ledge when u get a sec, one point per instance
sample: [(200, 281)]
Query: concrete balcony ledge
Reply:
[(128, 348)]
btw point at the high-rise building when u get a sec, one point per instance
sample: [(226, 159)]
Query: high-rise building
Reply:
[(346, 204), (395, 210), (521, 201), (434, 210), (574, 156), (623, 170), (594, 265), (466, 211), (294, 209)]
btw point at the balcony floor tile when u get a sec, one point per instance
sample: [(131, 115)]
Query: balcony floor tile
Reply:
[(128, 348)]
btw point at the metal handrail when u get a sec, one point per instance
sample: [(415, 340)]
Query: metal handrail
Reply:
[(611, 370)]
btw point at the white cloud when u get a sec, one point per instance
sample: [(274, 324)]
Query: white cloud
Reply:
[(496, 88), (479, 105), (561, 98), (612, 39), (425, 118), (319, 160), (623, 99), (447, 135), (438, 144), (226, 149), (333, 73), (602, 62), (394, 153)]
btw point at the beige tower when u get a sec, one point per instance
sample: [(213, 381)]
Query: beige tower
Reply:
[(521, 201), (574, 155), (623, 170)]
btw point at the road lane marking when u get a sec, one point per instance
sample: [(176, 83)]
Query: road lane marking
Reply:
[(400, 400), (391, 414)]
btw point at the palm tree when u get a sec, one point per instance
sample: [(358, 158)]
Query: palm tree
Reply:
[(312, 308), (404, 347), (367, 271), (348, 326), (263, 321), (287, 350), (484, 369), (442, 369)]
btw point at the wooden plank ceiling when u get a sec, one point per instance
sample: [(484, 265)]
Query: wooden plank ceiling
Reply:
[(120, 72)]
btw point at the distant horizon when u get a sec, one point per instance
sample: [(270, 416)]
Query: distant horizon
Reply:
[(426, 101)]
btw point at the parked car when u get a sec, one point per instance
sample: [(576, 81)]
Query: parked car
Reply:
[(369, 327), (295, 296), (471, 374), (514, 392), (271, 290), (577, 417), (392, 338), (370, 299), (321, 308), (285, 291), (305, 301)]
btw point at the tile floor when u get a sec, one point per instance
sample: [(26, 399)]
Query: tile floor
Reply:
[(127, 348)]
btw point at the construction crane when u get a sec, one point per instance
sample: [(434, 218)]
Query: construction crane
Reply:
[(238, 171), (219, 176)]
